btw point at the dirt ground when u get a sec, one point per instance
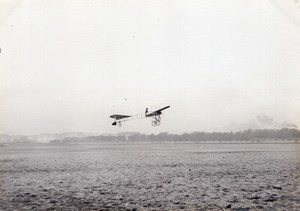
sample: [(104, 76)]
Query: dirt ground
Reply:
[(150, 177)]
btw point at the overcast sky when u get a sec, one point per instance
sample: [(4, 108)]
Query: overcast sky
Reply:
[(65, 66)]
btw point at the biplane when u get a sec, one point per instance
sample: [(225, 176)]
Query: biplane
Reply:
[(155, 115)]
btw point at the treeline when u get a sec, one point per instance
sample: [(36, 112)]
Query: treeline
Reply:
[(247, 135)]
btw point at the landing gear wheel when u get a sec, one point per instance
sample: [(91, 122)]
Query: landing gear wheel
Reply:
[(157, 123), (119, 124), (153, 123)]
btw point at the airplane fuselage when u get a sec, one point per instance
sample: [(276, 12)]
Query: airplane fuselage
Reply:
[(155, 114)]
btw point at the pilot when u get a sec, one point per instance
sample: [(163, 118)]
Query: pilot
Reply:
[(146, 111)]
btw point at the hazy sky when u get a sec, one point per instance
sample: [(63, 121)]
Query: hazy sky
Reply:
[(221, 65)]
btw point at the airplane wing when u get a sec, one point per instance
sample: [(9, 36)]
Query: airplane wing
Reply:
[(119, 116), (157, 112)]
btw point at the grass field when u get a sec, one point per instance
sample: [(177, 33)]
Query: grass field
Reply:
[(149, 176)]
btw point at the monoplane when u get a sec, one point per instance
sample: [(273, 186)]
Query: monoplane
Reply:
[(155, 115)]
